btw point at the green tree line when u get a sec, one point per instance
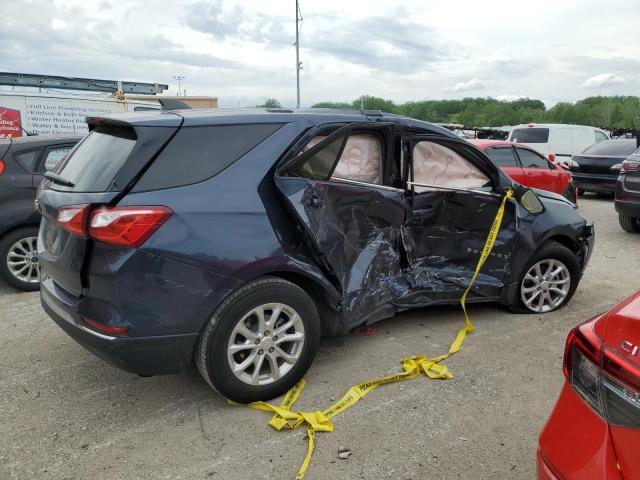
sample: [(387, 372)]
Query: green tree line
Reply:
[(609, 112)]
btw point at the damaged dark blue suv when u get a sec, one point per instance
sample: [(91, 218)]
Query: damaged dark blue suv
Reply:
[(238, 238)]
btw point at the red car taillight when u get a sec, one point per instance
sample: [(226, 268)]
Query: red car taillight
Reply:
[(607, 382), (630, 166), (73, 218), (1, 167), (123, 226), (126, 226)]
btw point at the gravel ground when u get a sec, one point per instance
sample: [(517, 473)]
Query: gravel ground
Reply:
[(65, 414)]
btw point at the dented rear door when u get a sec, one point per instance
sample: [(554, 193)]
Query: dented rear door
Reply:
[(353, 228)]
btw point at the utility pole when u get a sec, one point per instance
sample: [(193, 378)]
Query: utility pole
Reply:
[(298, 62), (179, 78)]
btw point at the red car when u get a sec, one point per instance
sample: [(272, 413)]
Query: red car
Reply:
[(594, 431), (528, 167)]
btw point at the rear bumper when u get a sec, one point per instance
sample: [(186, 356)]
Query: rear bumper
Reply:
[(595, 182), (575, 444), (142, 355)]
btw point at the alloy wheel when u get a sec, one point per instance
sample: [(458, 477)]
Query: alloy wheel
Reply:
[(545, 286), (266, 344), (22, 260)]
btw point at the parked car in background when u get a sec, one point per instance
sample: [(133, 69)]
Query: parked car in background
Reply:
[(628, 193), (594, 430), (596, 169), (23, 161), (557, 142), (212, 235), (528, 167)]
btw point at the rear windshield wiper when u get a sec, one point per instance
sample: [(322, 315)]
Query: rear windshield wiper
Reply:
[(55, 178)]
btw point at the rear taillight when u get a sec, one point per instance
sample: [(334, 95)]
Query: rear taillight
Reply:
[(630, 166), (552, 157), (1, 167), (126, 226), (73, 218), (607, 382), (123, 226)]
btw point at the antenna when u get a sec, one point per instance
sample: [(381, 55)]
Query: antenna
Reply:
[(297, 44)]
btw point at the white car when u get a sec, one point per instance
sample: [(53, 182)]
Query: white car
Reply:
[(557, 142)]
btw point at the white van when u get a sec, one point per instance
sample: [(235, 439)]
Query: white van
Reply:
[(555, 141)]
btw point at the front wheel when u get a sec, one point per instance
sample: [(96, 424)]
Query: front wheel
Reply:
[(629, 224), (549, 280), (260, 341)]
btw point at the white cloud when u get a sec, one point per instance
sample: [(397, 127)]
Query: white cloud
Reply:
[(509, 98), (473, 84), (603, 80), (58, 24)]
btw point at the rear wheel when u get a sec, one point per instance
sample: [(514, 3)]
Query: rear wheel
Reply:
[(260, 341), (549, 280), (629, 224), (19, 255)]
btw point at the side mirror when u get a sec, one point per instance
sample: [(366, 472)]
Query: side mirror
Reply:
[(528, 199)]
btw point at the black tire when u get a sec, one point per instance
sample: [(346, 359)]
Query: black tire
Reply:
[(551, 250), (570, 193), (211, 351), (629, 224), (5, 245)]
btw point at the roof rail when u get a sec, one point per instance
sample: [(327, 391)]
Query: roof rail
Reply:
[(371, 113)]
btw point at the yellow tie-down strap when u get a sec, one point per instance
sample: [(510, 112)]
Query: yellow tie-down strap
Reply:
[(284, 418)]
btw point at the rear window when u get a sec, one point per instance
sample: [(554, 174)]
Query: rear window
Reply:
[(198, 153), (502, 156), (530, 135), (96, 161), (620, 147)]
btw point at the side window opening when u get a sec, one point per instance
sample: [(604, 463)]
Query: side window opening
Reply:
[(439, 166), (530, 135), (319, 165), (530, 159), (502, 156), (28, 159), (600, 137), (359, 160), (54, 156)]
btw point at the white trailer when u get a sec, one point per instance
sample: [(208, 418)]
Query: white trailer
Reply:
[(58, 114)]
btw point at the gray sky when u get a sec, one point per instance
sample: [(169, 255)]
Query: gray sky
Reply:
[(242, 51)]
